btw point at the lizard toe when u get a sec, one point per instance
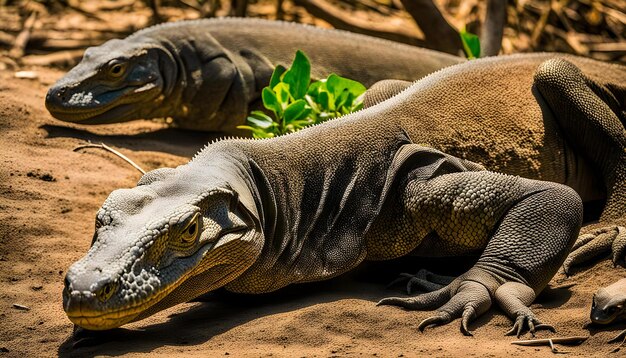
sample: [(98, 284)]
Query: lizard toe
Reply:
[(528, 319), (596, 243), (440, 318), (423, 280)]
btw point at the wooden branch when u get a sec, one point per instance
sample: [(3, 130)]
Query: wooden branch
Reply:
[(59, 59), (6, 39), (493, 28), (440, 35), (341, 20), (22, 39), (239, 8)]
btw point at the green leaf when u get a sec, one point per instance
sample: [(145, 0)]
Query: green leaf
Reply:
[(278, 71), (315, 88), (337, 84), (282, 95), (471, 44), (325, 101), (259, 119), (270, 101), (296, 111), (342, 100), (258, 133), (298, 76)]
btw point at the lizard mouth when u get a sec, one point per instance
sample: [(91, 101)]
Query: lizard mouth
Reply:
[(82, 312), (111, 106), (81, 308)]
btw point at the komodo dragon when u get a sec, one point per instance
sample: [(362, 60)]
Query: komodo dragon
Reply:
[(519, 137), (253, 216), (205, 74), (609, 306)]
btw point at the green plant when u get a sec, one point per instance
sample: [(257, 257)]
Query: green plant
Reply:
[(471, 44), (296, 103)]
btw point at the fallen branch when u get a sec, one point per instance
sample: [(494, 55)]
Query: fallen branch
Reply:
[(59, 59), (439, 34), (341, 20), (570, 341), (106, 147), (22, 39), (493, 28)]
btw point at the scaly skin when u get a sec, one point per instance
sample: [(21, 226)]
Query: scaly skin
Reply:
[(314, 204), (205, 74), (590, 119), (609, 306)]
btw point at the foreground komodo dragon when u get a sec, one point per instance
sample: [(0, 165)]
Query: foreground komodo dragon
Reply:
[(205, 74), (492, 114), (255, 216), (609, 306)]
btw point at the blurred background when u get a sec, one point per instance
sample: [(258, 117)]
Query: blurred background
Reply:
[(56, 32)]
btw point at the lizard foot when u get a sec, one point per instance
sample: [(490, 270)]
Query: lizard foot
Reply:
[(466, 298), (470, 300), (528, 319), (423, 280), (590, 245)]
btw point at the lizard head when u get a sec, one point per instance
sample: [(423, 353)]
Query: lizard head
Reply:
[(609, 303), (117, 81), (174, 237)]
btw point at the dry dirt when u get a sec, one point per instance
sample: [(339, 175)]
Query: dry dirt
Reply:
[(48, 197)]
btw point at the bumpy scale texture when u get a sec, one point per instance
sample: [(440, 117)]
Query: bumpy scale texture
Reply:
[(314, 204), (206, 73)]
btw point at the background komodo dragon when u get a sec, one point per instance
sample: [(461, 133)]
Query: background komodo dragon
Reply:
[(609, 306), (255, 216), (205, 74)]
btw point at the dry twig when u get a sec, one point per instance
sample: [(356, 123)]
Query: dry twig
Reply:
[(571, 341), (106, 147), (22, 39)]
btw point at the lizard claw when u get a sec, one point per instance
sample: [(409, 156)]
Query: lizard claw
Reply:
[(469, 314), (532, 322), (438, 319)]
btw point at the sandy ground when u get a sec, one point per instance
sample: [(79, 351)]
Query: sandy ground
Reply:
[(49, 195)]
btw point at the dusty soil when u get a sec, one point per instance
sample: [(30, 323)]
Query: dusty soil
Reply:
[(48, 197)]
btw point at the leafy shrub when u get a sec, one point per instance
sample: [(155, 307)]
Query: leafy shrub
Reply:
[(296, 103), (471, 44)]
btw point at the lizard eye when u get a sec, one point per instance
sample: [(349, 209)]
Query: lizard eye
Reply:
[(189, 234), (116, 68), (99, 224)]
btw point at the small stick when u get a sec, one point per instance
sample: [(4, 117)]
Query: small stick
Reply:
[(21, 41), (21, 307), (106, 147), (572, 341)]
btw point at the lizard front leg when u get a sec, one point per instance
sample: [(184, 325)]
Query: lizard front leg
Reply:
[(524, 229)]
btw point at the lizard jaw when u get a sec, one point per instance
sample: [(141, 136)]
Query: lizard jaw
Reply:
[(86, 108), (82, 308)]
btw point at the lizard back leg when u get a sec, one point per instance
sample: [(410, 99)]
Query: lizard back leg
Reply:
[(591, 117), (531, 235)]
